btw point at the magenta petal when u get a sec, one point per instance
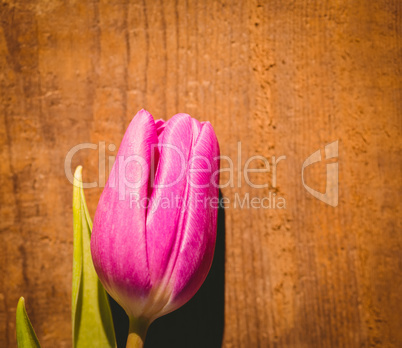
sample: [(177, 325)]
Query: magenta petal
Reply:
[(159, 124), (118, 242), (169, 189), (199, 222), (160, 127)]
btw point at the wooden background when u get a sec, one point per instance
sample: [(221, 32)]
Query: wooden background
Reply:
[(281, 77)]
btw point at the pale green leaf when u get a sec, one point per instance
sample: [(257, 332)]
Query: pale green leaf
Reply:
[(26, 337), (91, 315)]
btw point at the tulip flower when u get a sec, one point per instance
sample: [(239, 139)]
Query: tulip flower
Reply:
[(154, 232)]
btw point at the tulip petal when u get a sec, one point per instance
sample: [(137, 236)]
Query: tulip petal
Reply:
[(160, 126), (169, 188), (118, 241), (199, 220)]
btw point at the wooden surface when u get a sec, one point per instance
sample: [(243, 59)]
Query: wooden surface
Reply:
[(281, 77)]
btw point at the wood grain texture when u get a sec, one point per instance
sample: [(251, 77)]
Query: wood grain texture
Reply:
[(281, 77)]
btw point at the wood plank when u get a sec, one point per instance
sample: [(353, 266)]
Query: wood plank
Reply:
[(283, 78)]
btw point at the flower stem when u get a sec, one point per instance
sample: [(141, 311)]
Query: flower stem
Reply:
[(136, 333)]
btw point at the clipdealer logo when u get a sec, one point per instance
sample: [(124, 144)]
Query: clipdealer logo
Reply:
[(330, 196), (270, 200)]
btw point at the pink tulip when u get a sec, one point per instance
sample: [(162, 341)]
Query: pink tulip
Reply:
[(154, 232)]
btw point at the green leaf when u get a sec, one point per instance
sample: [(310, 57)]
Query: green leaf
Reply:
[(91, 314), (26, 337)]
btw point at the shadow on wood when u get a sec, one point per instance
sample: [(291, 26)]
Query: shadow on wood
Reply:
[(200, 322)]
